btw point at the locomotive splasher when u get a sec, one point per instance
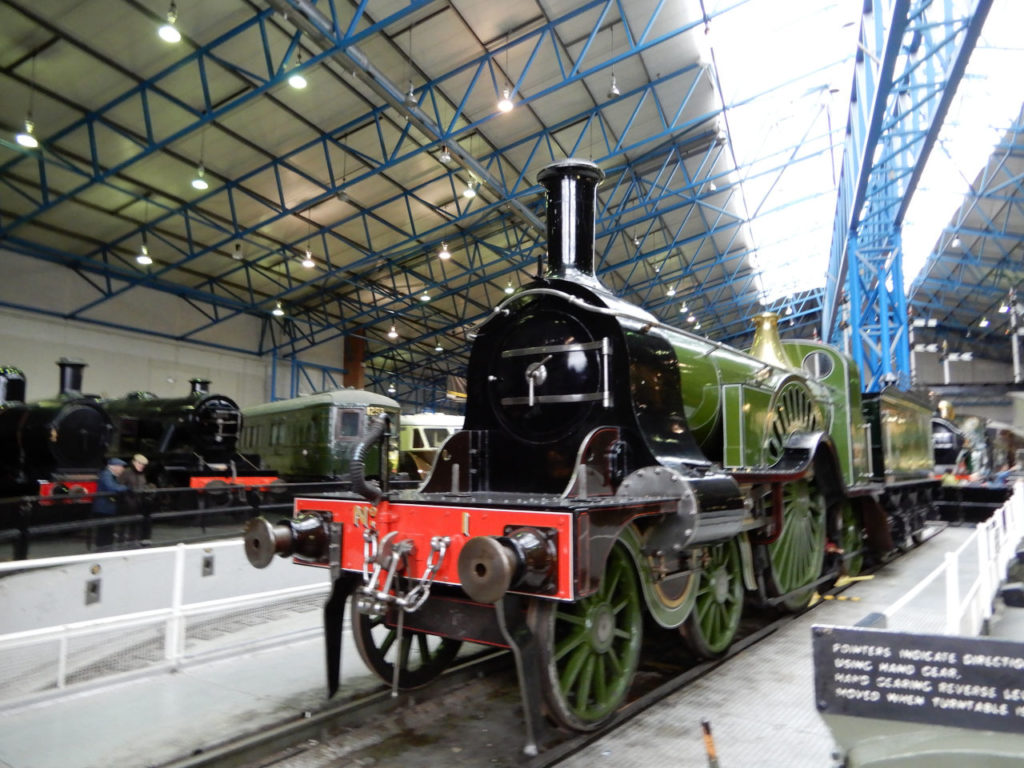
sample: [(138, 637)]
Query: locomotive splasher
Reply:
[(609, 466)]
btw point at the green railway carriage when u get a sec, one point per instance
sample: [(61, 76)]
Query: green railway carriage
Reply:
[(313, 437), (420, 437)]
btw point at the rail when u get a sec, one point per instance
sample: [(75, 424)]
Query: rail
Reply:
[(968, 578), (144, 611)]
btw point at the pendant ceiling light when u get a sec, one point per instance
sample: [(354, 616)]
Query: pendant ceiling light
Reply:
[(27, 138), (168, 32), (296, 80), (199, 182)]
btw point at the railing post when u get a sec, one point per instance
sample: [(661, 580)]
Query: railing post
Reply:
[(952, 594), (62, 659), (986, 587), (174, 640)]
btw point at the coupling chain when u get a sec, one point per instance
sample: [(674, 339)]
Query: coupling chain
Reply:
[(375, 597), (419, 594)]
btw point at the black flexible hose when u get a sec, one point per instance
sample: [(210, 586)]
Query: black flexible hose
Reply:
[(357, 469)]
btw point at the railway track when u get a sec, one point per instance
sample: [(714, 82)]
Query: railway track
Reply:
[(468, 717)]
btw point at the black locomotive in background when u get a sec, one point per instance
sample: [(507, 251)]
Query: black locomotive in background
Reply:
[(51, 447), (53, 450)]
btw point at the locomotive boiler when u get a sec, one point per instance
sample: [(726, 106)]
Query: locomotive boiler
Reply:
[(50, 447), (609, 467), (182, 436)]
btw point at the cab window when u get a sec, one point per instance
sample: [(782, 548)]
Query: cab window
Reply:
[(347, 425)]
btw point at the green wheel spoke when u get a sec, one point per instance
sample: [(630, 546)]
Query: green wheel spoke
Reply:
[(571, 618), (586, 678), (601, 676), (570, 643), (574, 667)]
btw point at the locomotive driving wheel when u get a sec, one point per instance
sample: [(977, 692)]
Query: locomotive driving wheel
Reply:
[(711, 626), (421, 657), (590, 649), (797, 555)]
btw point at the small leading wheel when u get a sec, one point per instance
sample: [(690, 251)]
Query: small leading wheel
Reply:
[(422, 657), (711, 626), (590, 649), (798, 554)]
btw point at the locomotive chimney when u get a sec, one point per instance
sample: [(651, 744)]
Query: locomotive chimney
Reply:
[(12, 384), (767, 346), (200, 386), (70, 375), (571, 188)]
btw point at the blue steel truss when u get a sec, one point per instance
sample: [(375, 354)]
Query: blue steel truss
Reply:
[(911, 59), (653, 175)]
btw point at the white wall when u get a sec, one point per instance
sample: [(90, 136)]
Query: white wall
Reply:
[(121, 361)]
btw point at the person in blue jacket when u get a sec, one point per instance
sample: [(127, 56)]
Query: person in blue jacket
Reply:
[(104, 503)]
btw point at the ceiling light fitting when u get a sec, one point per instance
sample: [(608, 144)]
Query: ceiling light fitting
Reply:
[(393, 333), (307, 260), (237, 255), (613, 89), (425, 296), (391, 389), (983, 323), (168, 32), (199, 182), (509, 289), (445, 156), (444, 253), (278, 311), (671, 291), (410, 97), (143, 257), (27, 137), (438, 347), (470, 191), (297, 81), (505, 104)]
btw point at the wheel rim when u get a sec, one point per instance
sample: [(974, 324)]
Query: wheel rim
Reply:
[(422, 657), (851, 541), (797, 555), (711, 627), (591, 648)]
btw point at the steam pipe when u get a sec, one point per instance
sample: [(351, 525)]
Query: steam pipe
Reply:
[(357, 468)]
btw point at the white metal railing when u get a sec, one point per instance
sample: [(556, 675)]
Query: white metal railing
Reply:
[(43, 661), (993, 543)]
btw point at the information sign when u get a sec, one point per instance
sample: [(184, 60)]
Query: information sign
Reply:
[(963, 682)]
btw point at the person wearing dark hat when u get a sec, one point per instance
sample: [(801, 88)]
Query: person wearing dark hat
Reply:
[(134, 478), (104, 503)]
